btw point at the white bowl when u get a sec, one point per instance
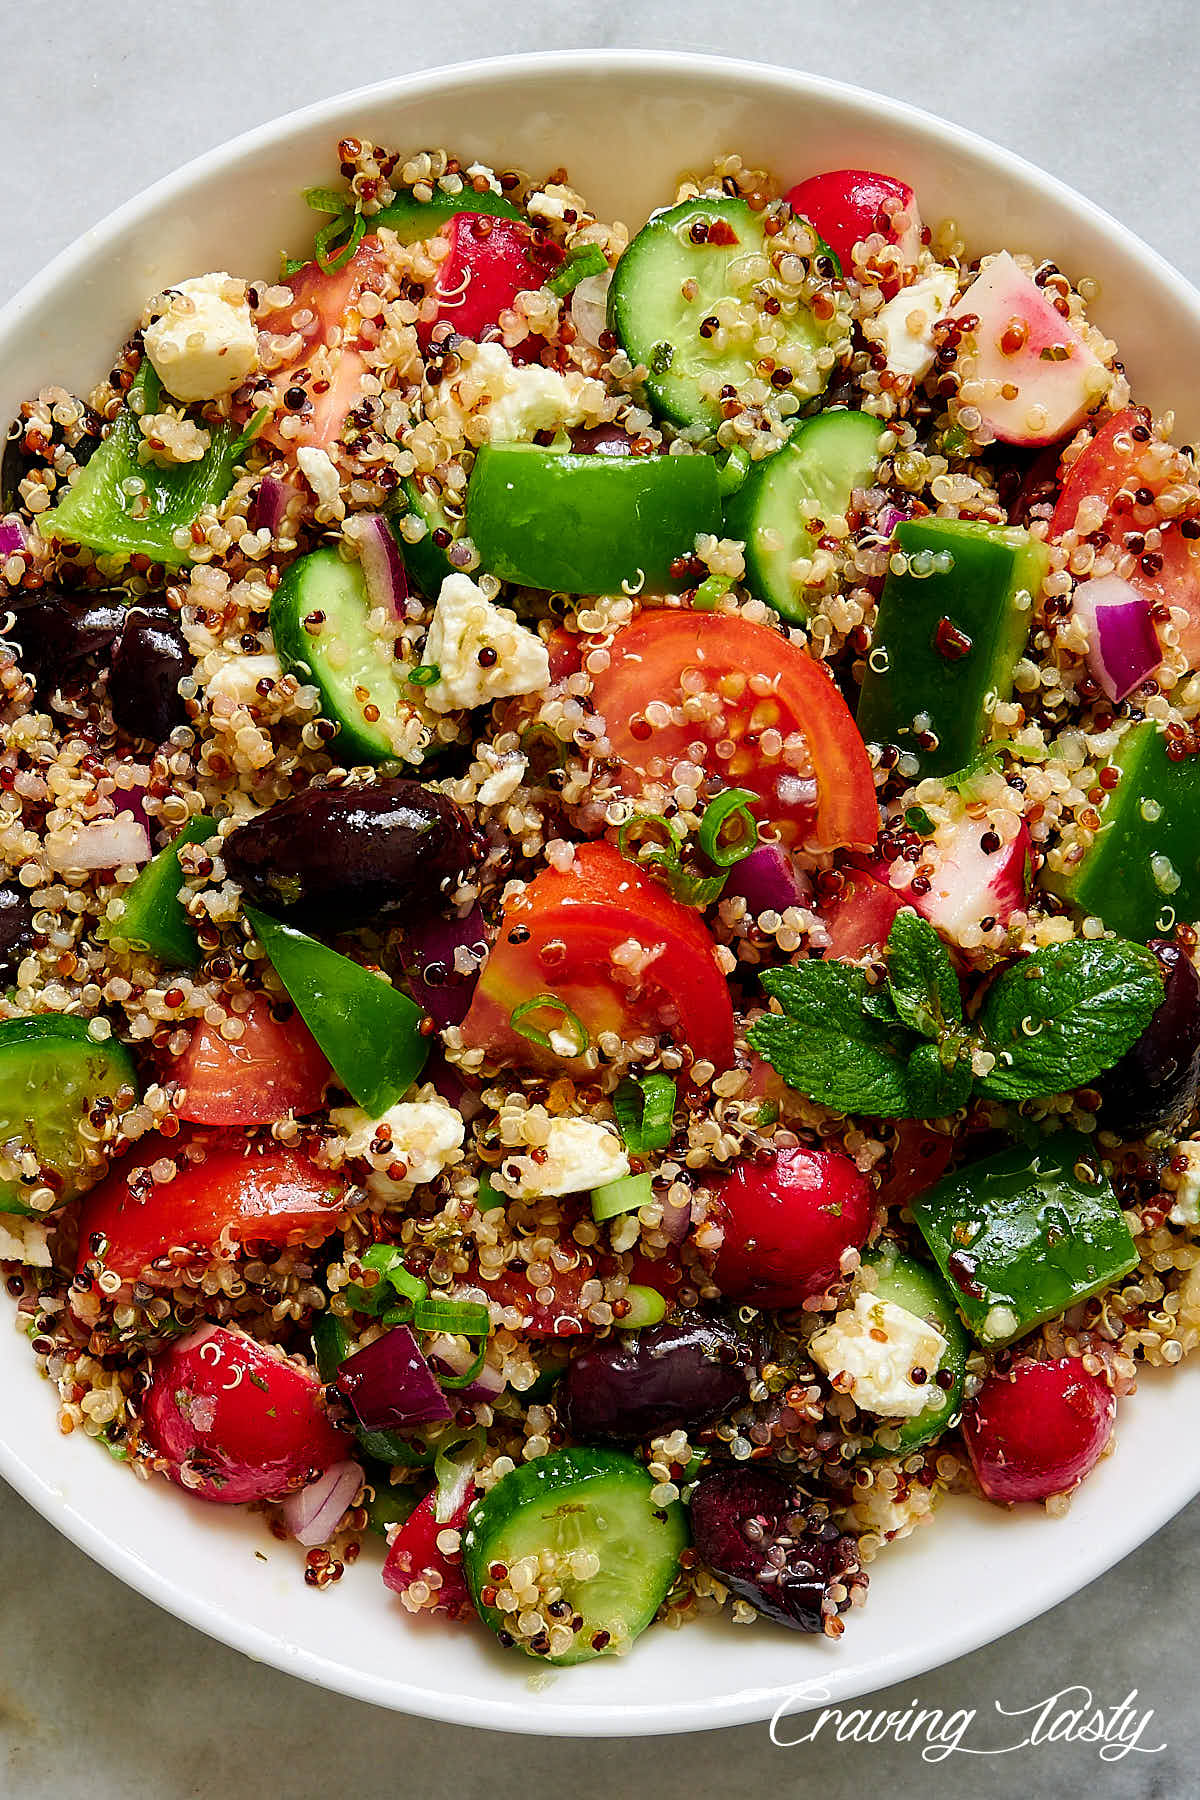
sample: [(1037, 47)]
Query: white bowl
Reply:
[(625, 124)]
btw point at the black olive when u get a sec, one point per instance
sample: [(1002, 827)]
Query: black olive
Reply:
[(151, 658), (16, 928), (601, 440), (1156, 1082), (343, 856), (747, 1525), (53, 635), (645, 1382)]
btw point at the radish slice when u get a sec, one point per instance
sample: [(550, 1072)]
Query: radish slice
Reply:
[(968, 883), (1023, 343), (1122, 646)]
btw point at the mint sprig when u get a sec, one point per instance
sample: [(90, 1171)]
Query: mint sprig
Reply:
[(1053, 1021)]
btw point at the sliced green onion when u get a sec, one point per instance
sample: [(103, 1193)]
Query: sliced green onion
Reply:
[(328, 200), (519, 1017), (589, 259), (918, 820), (539, 739), (646, 1307), (664, 849), (629, 1194), (710, 591), (729, 808), (331, 1344), (645, 1110), (394, 1278), (489, 1197), (291, 265), (425, 674), (466, 1318), (468, 1375), (240, 445), (691, 889), (328, 236), (733, 471)]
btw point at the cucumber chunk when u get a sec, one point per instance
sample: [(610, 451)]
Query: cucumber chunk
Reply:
[(948, 637), (154, 918), (921, 1290), (1023, 1235), (811, 478), (586, 524), (579, 1500), (412, 220), (319, 619), (689, 263), (426, 560), (52, 1073)]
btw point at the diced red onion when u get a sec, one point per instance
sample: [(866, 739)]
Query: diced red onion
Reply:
[(1123, 647), (889, 517), (382, 564), (390, 1386), (101, 844), (13, 536), (675, 1220), (428, 947), (269, 507), (313, 1515), (767, 880), (456, 1356)]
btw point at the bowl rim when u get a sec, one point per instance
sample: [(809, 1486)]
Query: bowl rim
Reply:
[(1068, 1575)]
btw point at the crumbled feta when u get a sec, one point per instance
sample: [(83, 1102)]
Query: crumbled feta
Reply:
[(870, 1351), (23, 1240), (508, 772), (495, 401), (1185, 1186), (320, 474), (904, 325), (426, 1135), (467, 626), (579, 1154), (236, 681), (205, 343), (477, 169)]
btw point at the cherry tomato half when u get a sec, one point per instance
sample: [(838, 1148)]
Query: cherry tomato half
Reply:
[(274, 1068), (736, 690), (787, 1221), (235, 1420), (1039, 1429), (491, 260), (847, 206)]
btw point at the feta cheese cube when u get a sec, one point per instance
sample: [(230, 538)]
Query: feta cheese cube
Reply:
[(1186, 1187), (236, 681), (494, 401), (508, 773), (580, 1154), (904, 324), (464, 625), (427, 1135), (23, 1240), (870, 1351), (205, 343), (318, 470)]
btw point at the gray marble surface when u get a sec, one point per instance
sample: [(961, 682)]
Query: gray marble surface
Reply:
[(102, 1695)]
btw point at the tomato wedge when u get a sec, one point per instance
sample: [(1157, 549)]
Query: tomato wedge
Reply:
[(859, 920), (491, 261), (563, 1314), (320, 381), (236, 1192), (1114, 460), (751, 709), (414, 1557), (274, 1068), (560, 936)]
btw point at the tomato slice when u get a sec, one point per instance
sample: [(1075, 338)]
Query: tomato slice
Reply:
[(920, 1157), (238, 1192), (491, 261), (1112, 461), (321, 380), (274, 1068), (560, 937), (816, 787), (859, 920)]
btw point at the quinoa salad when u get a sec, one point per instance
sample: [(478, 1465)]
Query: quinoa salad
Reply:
[(600, 865)]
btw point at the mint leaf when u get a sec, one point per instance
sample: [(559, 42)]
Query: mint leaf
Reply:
[(1057, 1019), (826, 1046), (936, 1086), (921, 977)]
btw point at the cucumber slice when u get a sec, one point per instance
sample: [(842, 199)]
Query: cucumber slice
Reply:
[(920, 1290), (812, 477), (597, 1500), (319, 616), (426, 560), (52, 1073), (154, 918), (667, 285), (412, 220)]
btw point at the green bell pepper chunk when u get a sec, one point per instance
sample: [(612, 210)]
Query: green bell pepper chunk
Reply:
[(948, 639), (1023, 1235), (155, 918), (414, 220), (103, 511), (388, 1505), (1142, 870), (588, 524), (367, 1028), (426, 560)]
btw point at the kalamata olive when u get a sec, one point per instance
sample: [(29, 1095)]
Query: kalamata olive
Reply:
[(54, 635), (343, 856), (601, 440), (748, 1525), (1156, 1082), (16, 928), (151, 658), (644, 1382)]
